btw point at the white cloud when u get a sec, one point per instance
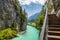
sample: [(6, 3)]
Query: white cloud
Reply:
[(27, 2)]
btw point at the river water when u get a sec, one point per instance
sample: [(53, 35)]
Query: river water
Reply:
[(31, 34)]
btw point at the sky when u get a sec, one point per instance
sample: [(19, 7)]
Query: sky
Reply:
[(27, 2), (32, 6)]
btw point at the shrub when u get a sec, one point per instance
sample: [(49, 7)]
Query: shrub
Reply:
[(7, 34)]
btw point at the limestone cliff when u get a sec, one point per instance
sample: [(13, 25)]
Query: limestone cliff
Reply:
[(53, 4), (11, 14)]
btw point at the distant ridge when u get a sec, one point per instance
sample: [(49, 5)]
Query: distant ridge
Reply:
[(33, 17)]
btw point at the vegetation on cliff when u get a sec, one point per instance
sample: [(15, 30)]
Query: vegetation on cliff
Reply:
[(12, 19), (7, 34), (39, 22)]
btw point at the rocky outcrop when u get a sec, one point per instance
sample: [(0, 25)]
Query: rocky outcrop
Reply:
[(54, 7), (11, 14), (56, 4)]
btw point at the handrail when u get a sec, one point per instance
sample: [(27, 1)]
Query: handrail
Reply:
[(42, 34)]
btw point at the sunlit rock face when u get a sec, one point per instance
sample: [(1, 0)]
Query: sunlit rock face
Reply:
[(10, 14), (56, 4)]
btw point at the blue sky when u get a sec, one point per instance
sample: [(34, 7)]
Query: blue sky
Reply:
[(32, 6)]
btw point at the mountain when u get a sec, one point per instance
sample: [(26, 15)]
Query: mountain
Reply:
[(33, 11), (33, 17), (32, 8)]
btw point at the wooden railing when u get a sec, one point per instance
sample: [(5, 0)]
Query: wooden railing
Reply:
[(44, 31)]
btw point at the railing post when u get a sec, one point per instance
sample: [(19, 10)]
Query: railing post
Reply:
[(44, 31)]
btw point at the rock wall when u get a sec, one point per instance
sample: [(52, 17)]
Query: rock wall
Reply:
[(53, 4), (10, 14)]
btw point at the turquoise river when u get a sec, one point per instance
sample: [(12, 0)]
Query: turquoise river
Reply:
[(31, 34)]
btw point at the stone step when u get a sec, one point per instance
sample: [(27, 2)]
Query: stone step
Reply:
[(53, 19), (52, 37), (57, 26), (54, 28), (53, 22), (56, 33)]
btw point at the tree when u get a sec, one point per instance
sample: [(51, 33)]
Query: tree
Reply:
[(39, 21)]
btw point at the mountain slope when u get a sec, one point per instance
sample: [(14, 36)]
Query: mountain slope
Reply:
[(33, 17)]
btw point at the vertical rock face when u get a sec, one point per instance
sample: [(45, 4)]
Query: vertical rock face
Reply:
[(10, 14), (24, 22), (54, 4), (23, 25), (57, 7), (50, 6)]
